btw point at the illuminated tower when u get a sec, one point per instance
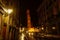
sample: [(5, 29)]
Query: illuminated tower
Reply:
[(28, 19)]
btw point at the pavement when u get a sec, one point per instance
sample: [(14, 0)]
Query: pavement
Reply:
[(40, 37)]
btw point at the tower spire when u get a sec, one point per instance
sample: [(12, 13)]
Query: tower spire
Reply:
[(28, 19)]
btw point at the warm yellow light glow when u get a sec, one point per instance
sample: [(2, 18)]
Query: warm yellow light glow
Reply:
[(22, 37), (6, 19), (5, 10), (31, 34), (21, 29), (53, 28), (8, 11), (42, 28), (31, 30), (36, 30)]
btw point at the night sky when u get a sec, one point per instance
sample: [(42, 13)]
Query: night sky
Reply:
[(21, 6), (32, 5)]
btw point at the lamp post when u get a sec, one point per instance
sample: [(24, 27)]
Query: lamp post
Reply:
[(8, 11)]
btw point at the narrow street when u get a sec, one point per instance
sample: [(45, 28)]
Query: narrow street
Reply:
[(23, 36)]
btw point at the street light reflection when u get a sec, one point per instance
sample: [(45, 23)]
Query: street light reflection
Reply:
[(31, 30), (30, 34), (22, 36)]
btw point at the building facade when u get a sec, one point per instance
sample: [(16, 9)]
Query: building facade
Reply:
[(48, 14)]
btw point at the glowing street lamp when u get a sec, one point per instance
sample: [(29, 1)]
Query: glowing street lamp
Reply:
[(53, 28), (42, 28), (9, 11)]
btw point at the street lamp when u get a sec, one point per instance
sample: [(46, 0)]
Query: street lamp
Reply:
[(42, 28), (8, 11), (53, 28)]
